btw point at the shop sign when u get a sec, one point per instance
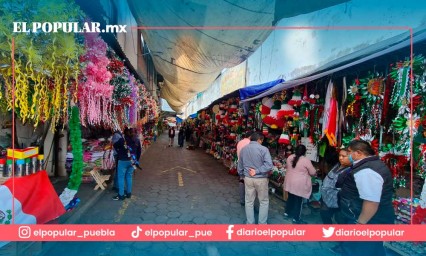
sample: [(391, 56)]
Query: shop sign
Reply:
[(311, 149)]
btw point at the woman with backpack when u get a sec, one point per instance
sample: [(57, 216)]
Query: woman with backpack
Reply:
[(329, 190)]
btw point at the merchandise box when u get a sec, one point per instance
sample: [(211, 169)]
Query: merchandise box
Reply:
[(22, 153)]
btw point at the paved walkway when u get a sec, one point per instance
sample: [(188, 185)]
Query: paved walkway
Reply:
[(182, 186)]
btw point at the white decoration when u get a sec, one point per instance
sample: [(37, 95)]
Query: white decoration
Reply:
[(423, 197), (67, 195)]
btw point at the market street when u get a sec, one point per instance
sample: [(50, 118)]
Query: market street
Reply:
[(180, 186)]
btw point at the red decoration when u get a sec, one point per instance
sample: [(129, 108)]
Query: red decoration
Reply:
[(284, 139), (387, 95), (357, 82), (395, 163), (375, 145), (115, 66), (274, 123), (419, 216), (417, 100)]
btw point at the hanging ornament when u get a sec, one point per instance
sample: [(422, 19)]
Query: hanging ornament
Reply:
[(265, 130), (400, 89), (272, 119), (296, 99), (284, 138), (94, 91), (266, 106), (286, 110)]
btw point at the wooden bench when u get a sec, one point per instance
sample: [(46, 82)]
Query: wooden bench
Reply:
[(99, 179)]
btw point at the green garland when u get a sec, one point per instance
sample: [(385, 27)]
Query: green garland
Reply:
[(77, 150)]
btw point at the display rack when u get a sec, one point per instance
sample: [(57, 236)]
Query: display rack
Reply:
[(406, 248)]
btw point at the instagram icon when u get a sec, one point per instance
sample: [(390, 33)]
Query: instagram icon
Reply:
[(24, 232)]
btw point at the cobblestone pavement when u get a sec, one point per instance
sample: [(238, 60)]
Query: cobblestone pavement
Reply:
[(180, 186)]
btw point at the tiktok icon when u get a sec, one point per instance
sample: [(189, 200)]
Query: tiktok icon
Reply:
[(135, 233)]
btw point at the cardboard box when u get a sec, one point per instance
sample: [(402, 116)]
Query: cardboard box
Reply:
[(22, 153)]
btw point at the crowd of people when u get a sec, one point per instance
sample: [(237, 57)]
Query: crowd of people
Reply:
[(186, 132), (357, 190)]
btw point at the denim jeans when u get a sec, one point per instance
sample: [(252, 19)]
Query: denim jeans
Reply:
[(125, 175)]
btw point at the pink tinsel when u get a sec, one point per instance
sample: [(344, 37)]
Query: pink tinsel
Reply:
[(135, 97), (94, 91)]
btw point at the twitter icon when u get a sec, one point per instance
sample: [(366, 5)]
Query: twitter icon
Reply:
[(328, 232)]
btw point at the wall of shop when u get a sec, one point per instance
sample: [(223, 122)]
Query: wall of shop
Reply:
[(131, 43), (290, 54), (203, 99), (294, 53), (27, 134)]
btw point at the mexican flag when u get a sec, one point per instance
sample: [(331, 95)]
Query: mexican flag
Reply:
[(35, 200), (330, 116)]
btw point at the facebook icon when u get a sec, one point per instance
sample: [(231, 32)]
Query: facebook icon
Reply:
[(230, 231)]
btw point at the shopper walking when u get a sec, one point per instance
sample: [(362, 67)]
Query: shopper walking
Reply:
[(366, 196), (171, 136), (188, 133), (329, 191), (155, 134), (115, 137), (124, 168), (242, 143), (181, 137), (298, 183), (255, 164)]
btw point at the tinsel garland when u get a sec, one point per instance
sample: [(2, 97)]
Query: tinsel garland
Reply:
[(314, 127), (135, 95), (400, 89), (421, 166), (396, 163), (77, 150), (386, 98)]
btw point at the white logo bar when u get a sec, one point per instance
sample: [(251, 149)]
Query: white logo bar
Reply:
[(66, 27)]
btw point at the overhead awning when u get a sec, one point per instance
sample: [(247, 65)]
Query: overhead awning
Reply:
[(190, 56), (385, 47), (251, 91)]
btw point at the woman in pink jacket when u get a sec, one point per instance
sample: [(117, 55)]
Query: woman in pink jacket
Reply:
[(298, 183)]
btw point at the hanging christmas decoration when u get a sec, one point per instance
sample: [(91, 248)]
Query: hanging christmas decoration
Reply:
[(286, 110), (95, 91), (266, 106), (296, 99), (46, 65), (284, 138), (272, 119), (77, 164)]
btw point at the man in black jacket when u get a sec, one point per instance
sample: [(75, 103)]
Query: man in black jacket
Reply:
[(366, 196)]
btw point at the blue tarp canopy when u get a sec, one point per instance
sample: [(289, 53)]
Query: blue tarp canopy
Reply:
[(193, 116), (178, 120), (251, 91)]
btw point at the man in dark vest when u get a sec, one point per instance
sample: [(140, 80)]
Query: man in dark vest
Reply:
[(366, 196)]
